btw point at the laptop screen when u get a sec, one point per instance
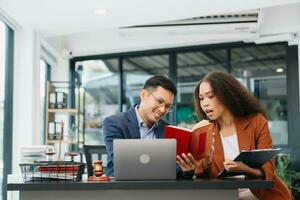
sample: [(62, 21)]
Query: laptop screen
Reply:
[(137, 159)]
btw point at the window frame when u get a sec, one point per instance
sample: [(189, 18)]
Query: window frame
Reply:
[(8, 109)]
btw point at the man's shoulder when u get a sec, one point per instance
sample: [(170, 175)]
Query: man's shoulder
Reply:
[(118, 116)]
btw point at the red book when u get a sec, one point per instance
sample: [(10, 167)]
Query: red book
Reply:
[(189, 141), (58, 169)]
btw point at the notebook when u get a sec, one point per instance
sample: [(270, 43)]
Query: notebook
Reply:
[(137, 159), (253, 158)]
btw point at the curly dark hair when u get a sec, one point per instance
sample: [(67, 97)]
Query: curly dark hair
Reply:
[(231, 93)]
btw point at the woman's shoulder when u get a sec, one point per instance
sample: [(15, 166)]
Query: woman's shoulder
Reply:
[(257, 118)]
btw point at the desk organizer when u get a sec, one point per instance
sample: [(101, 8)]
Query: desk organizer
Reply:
[(52, 171)]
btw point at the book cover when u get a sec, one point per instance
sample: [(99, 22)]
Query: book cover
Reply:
[(189, 141), (253, 158)]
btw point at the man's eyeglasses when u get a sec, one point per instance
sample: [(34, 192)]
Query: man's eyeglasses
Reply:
[(161, 103)]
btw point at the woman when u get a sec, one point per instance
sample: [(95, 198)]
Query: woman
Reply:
[(238, 124)]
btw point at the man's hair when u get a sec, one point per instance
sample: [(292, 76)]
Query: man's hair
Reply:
[(156, 81)]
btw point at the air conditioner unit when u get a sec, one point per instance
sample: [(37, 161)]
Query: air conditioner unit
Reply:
[(234, 23)]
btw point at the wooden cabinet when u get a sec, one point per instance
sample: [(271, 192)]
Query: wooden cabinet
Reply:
[(64, 103)]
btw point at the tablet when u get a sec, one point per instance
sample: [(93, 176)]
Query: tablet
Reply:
[(253, 158)]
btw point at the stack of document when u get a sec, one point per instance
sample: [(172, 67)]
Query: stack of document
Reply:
[(41, 176), (52, 170), (30, 154)]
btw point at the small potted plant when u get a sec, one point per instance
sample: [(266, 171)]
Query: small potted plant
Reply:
[(286, 172)]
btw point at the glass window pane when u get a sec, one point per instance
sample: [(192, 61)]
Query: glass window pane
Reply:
[(2, 96), (262, 69), (100, 79), (137, 70), (191, 67)]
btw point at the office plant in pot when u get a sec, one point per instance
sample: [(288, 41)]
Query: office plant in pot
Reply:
[(286, 172)]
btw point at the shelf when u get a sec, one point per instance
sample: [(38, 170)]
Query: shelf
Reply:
[(67, 111), (63, 142), (73, 115)]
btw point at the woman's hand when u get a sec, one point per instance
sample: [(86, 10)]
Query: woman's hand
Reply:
[(200, 124), (186, 162), (233, 166)]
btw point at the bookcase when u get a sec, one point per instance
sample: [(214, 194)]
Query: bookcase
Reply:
[(65, 104)]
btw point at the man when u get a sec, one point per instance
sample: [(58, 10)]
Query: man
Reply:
[(141, 121)]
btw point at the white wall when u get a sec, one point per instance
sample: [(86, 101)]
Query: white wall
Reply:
[(25, 91), (60, 61), (27, 120)]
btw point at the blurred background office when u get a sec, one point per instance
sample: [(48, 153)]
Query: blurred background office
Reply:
[(105, 50)]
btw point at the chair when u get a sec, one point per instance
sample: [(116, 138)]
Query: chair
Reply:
[(89, 152)]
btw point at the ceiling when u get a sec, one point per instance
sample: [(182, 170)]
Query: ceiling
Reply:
[(63, 17)]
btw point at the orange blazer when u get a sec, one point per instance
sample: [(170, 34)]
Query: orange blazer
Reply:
[(252, 133)]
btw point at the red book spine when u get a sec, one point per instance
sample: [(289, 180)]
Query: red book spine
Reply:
[(57, 169)]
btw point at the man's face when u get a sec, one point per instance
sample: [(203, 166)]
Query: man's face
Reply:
[(155, 103)]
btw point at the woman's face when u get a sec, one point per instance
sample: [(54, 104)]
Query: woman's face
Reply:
[(209, 103)]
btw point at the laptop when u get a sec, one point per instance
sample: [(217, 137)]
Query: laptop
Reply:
[(147, 159)]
